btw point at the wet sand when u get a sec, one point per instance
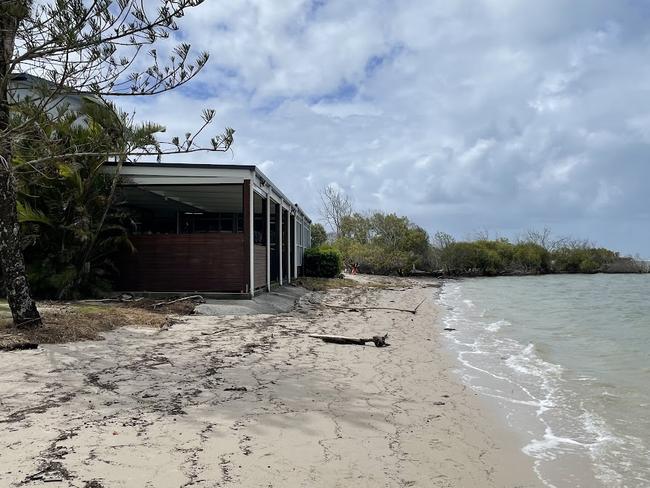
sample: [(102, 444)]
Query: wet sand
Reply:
[(253, 401)]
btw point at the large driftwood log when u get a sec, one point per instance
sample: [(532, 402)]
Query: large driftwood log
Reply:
[(379, 341)]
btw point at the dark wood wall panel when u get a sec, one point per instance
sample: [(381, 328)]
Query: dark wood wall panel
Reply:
[(185, 263), (260, 266)]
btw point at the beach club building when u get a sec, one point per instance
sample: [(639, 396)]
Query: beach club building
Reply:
[(213, 229)]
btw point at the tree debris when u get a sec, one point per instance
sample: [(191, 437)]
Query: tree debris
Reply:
[(123, 298), (198, 298), (379, 341), (18, 346), (353, 308)]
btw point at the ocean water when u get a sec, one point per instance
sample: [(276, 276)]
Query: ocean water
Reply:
[(566, 359)]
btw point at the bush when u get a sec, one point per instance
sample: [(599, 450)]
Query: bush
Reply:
[(323, 262), (583, 260), (318, 235)]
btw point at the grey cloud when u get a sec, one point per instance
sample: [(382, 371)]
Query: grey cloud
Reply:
[(496, 114)]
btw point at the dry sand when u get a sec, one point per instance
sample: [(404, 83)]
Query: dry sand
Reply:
[(252, 401)]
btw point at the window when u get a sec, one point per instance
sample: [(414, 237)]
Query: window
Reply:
[(147, 221), (259, 219)]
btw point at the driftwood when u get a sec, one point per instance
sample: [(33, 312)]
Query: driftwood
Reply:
[(356, 309), (122, 299), (379, 341), (191, 297), (19, 346)]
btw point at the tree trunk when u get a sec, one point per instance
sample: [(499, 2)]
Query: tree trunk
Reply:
[(12, 263), (23, 307)]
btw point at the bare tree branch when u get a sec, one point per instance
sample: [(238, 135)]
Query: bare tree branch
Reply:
[(335, 206)]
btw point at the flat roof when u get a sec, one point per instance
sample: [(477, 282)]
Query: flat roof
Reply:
[(212, 166), (250, 167)]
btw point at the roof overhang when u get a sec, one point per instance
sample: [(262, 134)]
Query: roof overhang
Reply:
[(187, 174)]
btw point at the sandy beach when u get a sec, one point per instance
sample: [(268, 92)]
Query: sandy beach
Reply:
[(253, 401)]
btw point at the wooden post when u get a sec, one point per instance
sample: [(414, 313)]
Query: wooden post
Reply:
[(289, 253), (249, 259), (251, 239), (295, 244), (268, 241), (280, 236)]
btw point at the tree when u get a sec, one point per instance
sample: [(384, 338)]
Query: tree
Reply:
[(384, 243), (442, 240), (318, 235), (542, 237), (69, 239), (336, 205), (357, 227), (92, 48)]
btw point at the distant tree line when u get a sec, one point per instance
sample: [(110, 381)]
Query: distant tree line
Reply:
[(526, 256), (380, 243)]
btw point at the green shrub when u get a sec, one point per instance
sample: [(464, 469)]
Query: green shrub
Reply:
[(318, 235), (588, 265), (322, 262), (529, 257), (582, 259)]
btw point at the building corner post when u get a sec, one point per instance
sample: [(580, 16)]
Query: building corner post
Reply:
[(290, 255), (296, 225), (281, 239), (249, 246), (268, 240)]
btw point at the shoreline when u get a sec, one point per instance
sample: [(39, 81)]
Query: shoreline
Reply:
[(578, 421), (253, 401)]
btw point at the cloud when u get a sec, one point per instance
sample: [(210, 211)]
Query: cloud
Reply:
[(464, 115)]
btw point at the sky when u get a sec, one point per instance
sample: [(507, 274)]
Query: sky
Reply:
[(470, 116)]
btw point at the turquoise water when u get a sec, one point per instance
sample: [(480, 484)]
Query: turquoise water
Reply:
[(567, 361)]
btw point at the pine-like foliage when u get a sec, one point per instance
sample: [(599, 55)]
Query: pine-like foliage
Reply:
[(66, 49), (71, 226)]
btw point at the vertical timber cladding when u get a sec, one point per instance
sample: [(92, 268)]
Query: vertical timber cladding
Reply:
[(184, 263)]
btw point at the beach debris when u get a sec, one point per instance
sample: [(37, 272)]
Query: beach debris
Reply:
[(439, 403), (18, 346), (124, 297), (353, 308), (378, 340), (236, 388), (53, 472), (449, 329), (198, 298)]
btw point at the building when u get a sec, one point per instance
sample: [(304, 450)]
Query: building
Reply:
[(210, 229), (54, 98), (206, 228)]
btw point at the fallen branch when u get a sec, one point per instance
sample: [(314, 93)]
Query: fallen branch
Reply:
[(205, 333), (191, 297), (19, 346), (416, 308), (120, 299), (379, 341), (355, 309), (101, 300)]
